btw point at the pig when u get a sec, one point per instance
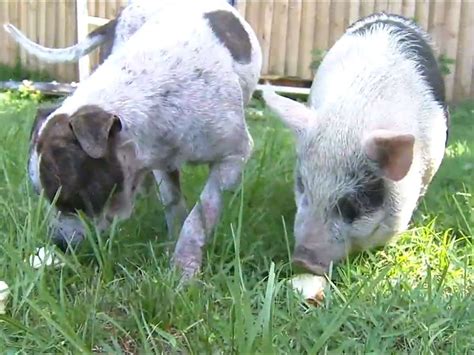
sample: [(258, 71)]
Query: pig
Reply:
[(368, 142), (172, 94)]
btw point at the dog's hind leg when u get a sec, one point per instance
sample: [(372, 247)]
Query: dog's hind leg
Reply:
[(172, 199), (223, 176)]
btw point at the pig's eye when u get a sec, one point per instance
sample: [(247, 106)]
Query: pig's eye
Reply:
[(348, 210), (299, 184)]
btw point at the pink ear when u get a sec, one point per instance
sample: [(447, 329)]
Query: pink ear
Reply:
[(392, 151)]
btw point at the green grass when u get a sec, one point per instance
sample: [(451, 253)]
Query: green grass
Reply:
[(20, 72), (117, 294)]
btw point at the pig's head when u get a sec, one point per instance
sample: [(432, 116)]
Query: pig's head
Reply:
[(82, 165), (345, 188)]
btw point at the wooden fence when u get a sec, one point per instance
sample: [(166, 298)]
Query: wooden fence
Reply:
[(290, 31)]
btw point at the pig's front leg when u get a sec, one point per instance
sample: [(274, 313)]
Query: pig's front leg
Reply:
[(201, 221), (172, 199)]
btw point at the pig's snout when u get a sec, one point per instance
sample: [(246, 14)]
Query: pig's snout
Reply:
[(310, 260), (317, 258)]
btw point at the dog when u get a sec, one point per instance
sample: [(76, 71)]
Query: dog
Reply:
[(172, 93), (107, 37)]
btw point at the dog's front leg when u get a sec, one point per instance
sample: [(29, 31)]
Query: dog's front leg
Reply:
[(200, 223), (172, 199)]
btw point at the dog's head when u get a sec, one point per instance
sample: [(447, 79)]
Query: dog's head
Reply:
[(80, 163)]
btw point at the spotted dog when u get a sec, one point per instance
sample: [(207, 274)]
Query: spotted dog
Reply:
[(173, 93)]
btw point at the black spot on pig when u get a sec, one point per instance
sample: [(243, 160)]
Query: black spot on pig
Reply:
[(229, 30), (416, 46), (367, 196), (448, 122)]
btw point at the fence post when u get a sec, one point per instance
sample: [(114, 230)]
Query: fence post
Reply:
[(82, 16)]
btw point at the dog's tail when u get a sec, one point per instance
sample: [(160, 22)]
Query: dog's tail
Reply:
[(73, 53)]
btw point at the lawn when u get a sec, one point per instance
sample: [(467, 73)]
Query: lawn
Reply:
[(118, 295)]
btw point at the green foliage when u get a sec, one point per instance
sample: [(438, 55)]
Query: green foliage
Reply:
[(445, 64), (17, 99), (20, 72), (317, 58), (118, 295)]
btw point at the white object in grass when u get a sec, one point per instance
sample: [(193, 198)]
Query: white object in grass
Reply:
[(4, 292), (44, 257), (310, 286)]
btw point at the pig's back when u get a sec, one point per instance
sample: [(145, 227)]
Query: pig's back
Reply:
[(413, 43), (381, 61)]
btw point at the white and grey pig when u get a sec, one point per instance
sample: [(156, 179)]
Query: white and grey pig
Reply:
[(369, 142)]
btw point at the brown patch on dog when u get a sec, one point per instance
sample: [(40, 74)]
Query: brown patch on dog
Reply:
[(84, 183), (92, 127), (41, 114), (229, 30), (108, 30)]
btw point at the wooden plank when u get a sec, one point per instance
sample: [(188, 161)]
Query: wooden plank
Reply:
[(278, 38), (23, 24), (381, 5), (32, 11), (367, 7), (395, 7), (50, 29), (285, 89), (451, 37), (13, 18), (422, 13), (241, 6), (97, 21), (266, 19), (253, 17), (437, 22), (293, 37), (71, 21), (91, 7), (4, 42), (464, 77), (472, 83), (101, 8), (61, 36), (41, 29), (82, 32), (354, 11), (308, 20), (409, 8), (51, 88), (322, 28), (338, 20)]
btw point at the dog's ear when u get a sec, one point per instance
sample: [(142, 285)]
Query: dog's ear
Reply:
[(93, 128)]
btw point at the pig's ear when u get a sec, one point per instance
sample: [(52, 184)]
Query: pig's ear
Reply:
[(294, 114), (392, 151)]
